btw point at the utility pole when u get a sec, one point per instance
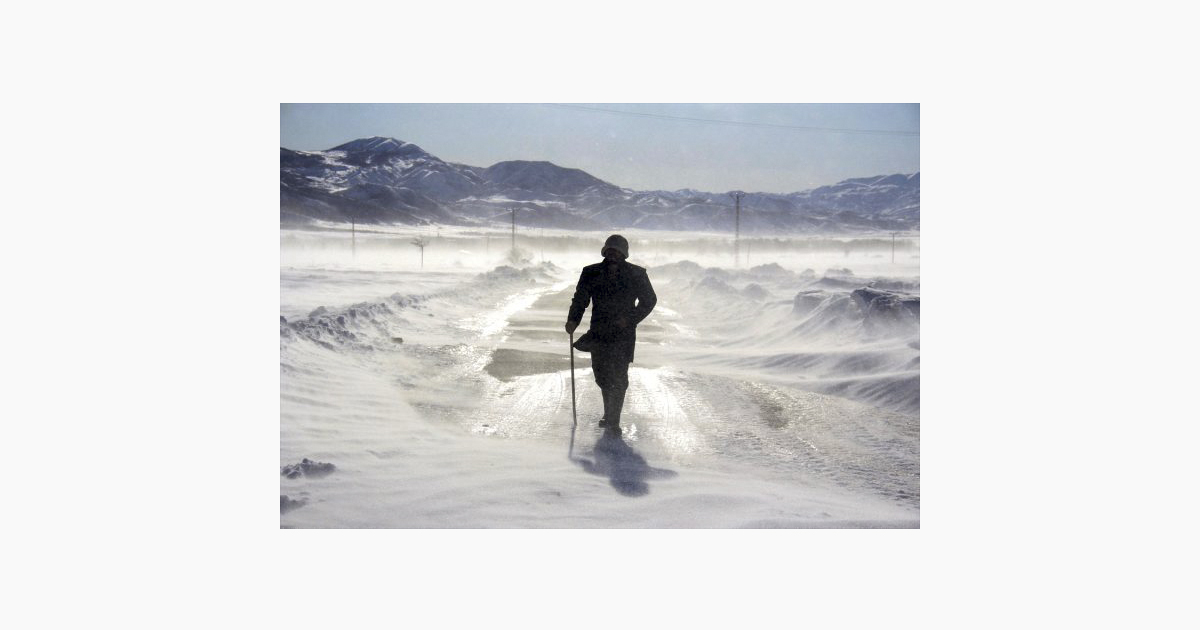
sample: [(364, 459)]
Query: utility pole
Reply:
[(353, 239), (737, 223), (894, 246), (514, 229), (421, 242)]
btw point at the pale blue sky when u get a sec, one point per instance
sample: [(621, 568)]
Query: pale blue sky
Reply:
[(754, 147)]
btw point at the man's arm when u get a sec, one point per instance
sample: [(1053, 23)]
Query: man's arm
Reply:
[(579, 304), (645, 297)]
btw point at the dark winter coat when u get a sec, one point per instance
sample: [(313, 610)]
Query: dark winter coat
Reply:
[(613, 297)]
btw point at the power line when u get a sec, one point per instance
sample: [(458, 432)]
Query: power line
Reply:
[(878, 132)]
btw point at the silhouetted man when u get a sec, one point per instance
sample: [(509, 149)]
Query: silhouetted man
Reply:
[(621, 297)]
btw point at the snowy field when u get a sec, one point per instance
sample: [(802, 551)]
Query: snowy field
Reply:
[(781, 390)]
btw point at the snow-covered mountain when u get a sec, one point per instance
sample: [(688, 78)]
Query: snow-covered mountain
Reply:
[(384, 180)]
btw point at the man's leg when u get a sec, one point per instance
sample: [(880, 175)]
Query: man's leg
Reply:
[(612, 375), (602, 370), (616, 393), (610, 370)]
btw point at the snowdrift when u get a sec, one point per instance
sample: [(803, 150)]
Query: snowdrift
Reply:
[(837, 333)]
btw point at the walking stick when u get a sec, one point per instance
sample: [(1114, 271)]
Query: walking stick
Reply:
[(574, 417)]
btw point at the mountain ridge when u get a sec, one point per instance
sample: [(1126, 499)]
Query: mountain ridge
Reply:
[(384, 180)]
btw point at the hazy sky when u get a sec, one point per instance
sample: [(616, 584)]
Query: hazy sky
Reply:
[(709, 147)]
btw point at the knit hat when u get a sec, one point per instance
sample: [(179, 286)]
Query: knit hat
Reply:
[(617, 242)]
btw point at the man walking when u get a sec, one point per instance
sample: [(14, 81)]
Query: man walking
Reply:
[(621, 297)]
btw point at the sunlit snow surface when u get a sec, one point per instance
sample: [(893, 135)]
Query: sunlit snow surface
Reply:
[(764, 394)]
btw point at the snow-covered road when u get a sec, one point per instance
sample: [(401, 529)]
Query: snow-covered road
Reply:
[(675, 415)]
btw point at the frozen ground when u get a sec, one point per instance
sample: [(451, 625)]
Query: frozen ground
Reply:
[(782, 392)]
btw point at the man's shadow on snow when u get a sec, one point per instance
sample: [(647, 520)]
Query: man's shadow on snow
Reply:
[(626, 470)]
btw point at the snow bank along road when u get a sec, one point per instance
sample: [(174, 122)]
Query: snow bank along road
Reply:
[(747, 406)]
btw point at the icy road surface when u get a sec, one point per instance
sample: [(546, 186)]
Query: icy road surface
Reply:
[(519, 388)]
